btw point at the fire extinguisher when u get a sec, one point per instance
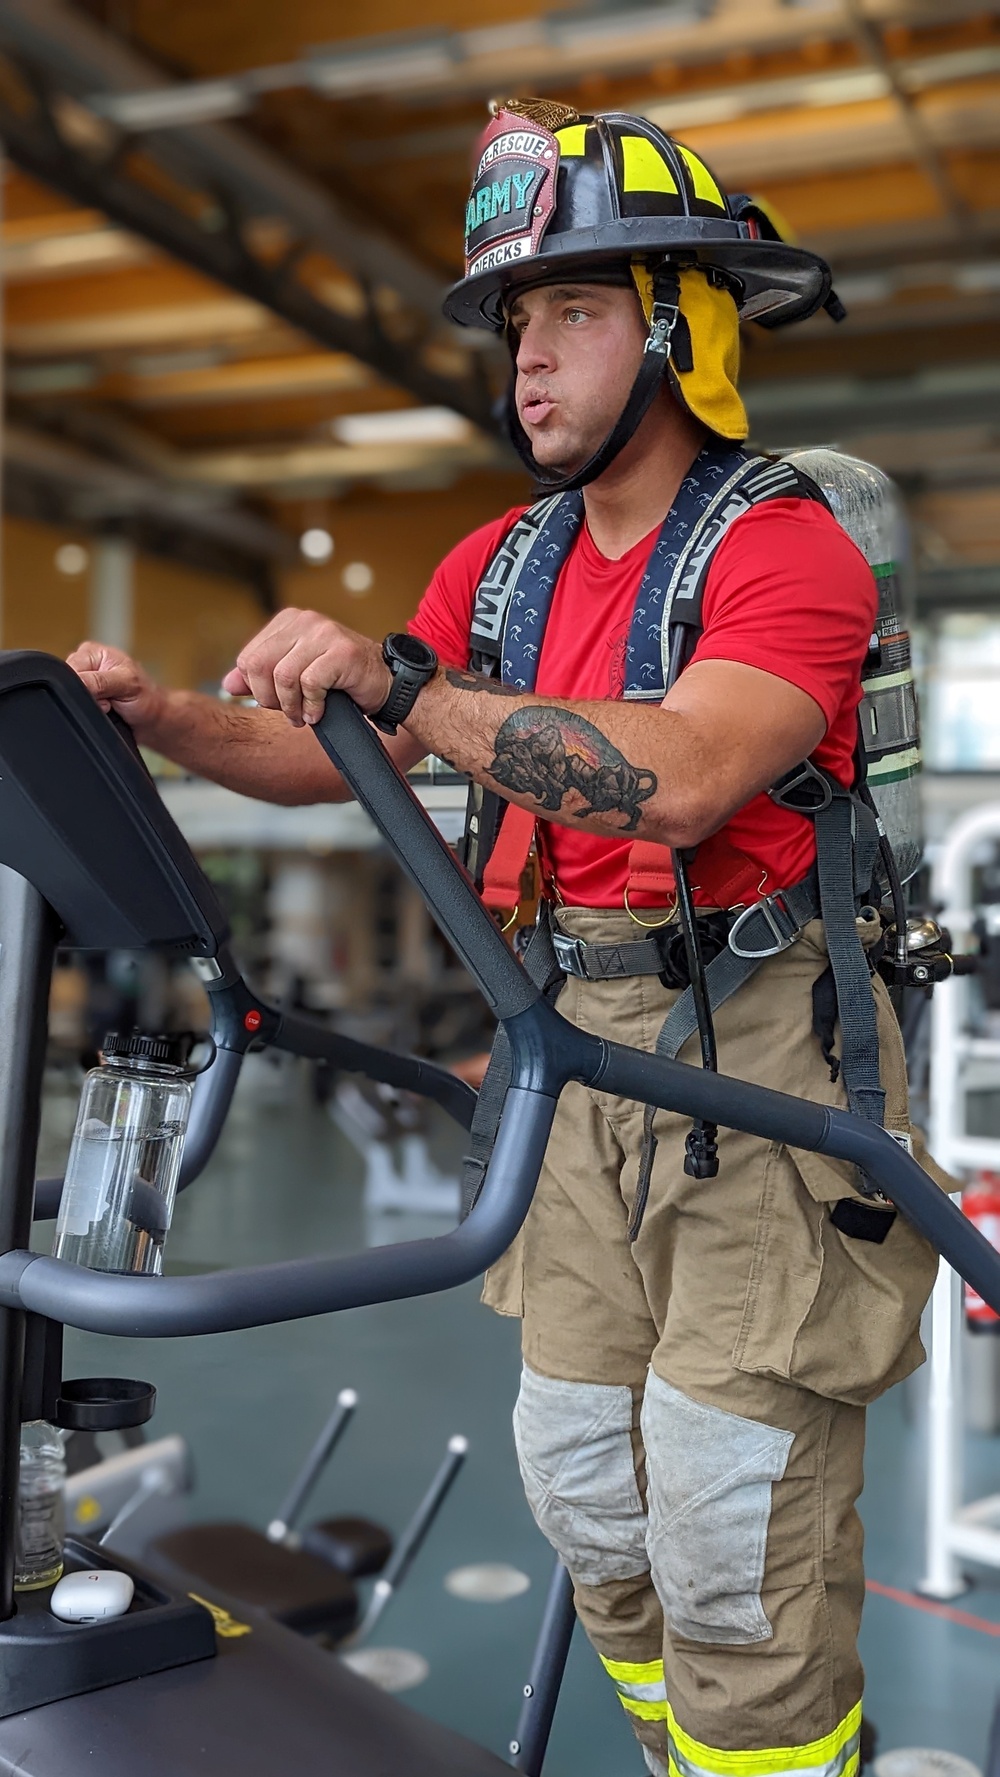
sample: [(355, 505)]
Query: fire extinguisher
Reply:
[(981, 1203)]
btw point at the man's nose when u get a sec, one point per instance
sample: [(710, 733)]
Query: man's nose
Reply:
[(534, 349)]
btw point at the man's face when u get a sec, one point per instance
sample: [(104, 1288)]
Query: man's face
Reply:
[(579, 348)]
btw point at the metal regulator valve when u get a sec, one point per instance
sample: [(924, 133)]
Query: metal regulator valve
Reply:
[(922, 956)]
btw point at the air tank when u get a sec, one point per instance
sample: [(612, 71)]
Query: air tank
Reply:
[(865, 502)]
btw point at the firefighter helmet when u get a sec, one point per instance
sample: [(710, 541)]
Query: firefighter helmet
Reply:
[(612, 199), (555, 193)]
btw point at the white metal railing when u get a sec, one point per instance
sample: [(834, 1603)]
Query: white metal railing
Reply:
[(955, 1530)]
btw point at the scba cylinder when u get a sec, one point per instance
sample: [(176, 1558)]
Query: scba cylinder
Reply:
[(865, 502)]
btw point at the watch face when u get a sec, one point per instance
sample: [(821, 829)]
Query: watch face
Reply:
[(411, 650)]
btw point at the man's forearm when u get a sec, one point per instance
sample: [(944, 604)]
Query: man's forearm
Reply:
[(595, 766), (255, 752)]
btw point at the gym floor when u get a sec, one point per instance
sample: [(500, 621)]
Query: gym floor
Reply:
[(285, 1182)]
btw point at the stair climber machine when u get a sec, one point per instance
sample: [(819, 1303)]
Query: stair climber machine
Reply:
[(89, 857)]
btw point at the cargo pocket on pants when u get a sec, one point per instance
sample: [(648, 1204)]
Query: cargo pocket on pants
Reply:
[(574, 1447), (710, 1478), (834, 1309)]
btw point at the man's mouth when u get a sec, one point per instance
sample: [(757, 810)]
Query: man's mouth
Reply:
[(536, 409)]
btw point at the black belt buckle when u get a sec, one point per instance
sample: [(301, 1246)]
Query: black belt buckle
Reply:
[(668, 941), (713, 935), (570, 954)]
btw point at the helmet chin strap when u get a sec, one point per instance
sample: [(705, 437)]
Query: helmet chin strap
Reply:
[(648, 381)]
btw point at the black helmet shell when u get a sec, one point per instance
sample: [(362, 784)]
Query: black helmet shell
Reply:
[(596, 192)]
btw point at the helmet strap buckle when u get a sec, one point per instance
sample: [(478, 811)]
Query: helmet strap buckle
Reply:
[(661, 328), (665, 310)]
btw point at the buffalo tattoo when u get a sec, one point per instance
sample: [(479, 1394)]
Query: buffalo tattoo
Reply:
[(546, 753)]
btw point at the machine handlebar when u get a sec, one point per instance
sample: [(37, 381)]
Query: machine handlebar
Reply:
[(546, 1053)]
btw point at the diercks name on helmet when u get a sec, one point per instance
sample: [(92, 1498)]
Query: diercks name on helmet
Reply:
[(513, 194)]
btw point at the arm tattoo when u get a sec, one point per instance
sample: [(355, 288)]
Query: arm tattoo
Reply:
[(545, 753), (470, 681)]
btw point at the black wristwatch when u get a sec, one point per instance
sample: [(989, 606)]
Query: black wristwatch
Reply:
[(411, 662)]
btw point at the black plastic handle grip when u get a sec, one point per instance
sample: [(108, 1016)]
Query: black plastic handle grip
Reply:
[(353, 745)]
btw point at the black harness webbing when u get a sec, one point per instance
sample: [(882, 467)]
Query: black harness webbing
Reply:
[(847, 844), (765, 929), (846, 850)]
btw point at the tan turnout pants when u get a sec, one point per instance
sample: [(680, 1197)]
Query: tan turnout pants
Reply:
[(690, 1425)]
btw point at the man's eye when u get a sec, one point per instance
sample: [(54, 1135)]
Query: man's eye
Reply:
[(575, 315)]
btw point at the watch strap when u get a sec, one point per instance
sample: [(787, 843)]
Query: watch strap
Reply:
[(408, 680)]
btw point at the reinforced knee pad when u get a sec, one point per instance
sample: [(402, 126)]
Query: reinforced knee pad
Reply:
[(709, 1476), (574, 1446)]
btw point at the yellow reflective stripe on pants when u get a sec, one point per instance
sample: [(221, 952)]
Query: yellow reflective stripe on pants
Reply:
[(836, 1755), (640, 1686)]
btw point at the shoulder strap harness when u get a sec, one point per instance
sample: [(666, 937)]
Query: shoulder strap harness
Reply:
[(511, 609)]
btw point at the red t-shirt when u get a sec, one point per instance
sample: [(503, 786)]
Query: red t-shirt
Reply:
[(787, 591)]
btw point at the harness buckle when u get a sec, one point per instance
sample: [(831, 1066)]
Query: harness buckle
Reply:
[(803, 790), (778, 918), (570, 954)]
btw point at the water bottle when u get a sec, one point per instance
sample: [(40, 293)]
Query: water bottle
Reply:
[(121, 1175), (41, 1507), (866, 504)]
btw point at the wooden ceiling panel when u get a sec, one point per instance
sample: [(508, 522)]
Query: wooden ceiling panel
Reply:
[(277, 418), (842, 170), (230, 34), (821, 350), (896, 194)]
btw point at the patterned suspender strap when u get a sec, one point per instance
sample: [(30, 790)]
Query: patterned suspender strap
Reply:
[(514, 598), (523, 572), (672, 593)]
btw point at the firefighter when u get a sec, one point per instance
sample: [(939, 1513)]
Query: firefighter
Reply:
[(704, 1321)]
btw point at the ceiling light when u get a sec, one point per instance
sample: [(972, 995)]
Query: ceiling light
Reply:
[(612, 26), (403, 425), (168, 363), (202, 101), (860, 289), (981, 274), (729, 103), (392, 60), (846, 89), (70, 251), (50, 379), (956, 64), (316, 545), (71, 559), (495, 40), (358, 579)]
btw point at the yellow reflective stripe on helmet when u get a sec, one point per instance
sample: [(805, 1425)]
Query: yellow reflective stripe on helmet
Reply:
[(640, 1686), (836, 1755), (643, 166), (704, 185), (573, 139)]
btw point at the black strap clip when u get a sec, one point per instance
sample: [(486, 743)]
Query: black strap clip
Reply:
[(803, 790)]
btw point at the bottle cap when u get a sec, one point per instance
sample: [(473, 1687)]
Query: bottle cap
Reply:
[(136, 1046)]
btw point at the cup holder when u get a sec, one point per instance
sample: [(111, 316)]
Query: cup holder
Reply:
[(104, 1403)]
